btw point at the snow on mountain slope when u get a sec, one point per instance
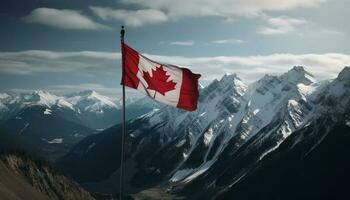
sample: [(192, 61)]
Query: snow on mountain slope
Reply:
[(234, 127), (219, 109), (17, 101), (38, 97), (261, 104), (294, 163), (4, 97), (3, 108), (87, 108), (91, 101), (219, 98), (171, 126), (100, 112)]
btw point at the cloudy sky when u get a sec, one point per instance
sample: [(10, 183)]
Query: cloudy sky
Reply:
[(68, 45)]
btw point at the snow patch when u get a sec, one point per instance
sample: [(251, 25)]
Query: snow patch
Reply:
[(181, 174), (198, 172), (187, 175), (54, 141), (184, 155), (24, 128), (63, 103), (347, 123), (306, 90), (47, 112), (182, 142), (4, 96), (77, 135), (208, 136), (91, 146)]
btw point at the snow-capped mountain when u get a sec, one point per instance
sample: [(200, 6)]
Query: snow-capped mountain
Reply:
[(15, 102), (87, 108), (3, 108), (235, 128), (91, 101), (52, 124)]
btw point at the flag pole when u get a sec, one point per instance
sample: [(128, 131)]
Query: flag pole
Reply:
[(121, 183)]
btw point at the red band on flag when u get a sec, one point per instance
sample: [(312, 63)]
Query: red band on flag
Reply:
[(131, 62), (189, 90)]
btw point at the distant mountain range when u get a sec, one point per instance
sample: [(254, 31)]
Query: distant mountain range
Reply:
[(87, 108), (242, 141), (50, 125)]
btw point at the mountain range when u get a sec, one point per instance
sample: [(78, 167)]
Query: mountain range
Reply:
[(50, 125), (87, 108), (242, 139)]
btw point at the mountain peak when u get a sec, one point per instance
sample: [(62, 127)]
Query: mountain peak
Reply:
[(40, 92), (299, 69), (298, 74), (84, 93), (41, 97), (91, 100), (229, 77), (4, 96), (233, 79), (344, 75)]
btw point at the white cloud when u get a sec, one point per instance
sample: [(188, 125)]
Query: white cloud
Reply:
[(281, 25), (225, 8), (229, 41), (132, 18), (332, 32), (158, 11), (64, 19), (34, 61), (179, 43), (249, 68), (230, 20)]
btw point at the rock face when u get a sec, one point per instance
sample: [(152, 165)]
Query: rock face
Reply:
[(203, 154), (23, 178), (295, 172)]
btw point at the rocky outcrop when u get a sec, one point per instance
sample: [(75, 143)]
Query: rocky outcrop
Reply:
[(24, 178)]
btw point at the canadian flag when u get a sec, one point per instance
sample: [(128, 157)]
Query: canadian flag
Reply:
[(165, 83)]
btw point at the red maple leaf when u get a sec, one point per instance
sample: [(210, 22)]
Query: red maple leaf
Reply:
[(159, 81)]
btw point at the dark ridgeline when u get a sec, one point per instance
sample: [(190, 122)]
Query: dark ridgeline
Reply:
[(23, 177)]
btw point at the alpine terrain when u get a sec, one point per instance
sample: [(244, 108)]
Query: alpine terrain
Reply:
[(24, 178), (281, 136), (50, 125)]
